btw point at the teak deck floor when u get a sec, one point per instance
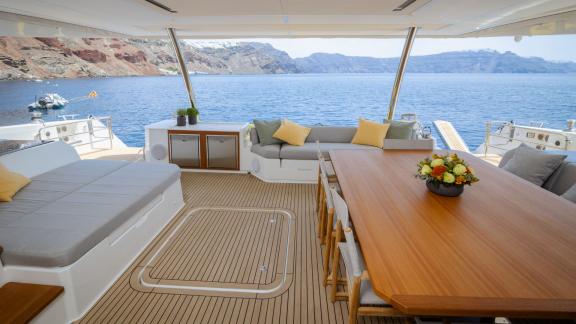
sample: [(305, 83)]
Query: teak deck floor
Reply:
[(204, 251)]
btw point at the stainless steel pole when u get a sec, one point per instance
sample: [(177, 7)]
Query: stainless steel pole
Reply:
[(401, 68), (182, 64)]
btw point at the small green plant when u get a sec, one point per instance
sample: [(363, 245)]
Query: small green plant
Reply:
[(181, 112), (192, 112)]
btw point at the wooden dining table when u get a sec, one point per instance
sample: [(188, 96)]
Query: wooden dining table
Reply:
[(505, 247)]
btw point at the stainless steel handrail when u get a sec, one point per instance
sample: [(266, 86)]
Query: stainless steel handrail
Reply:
[(91, 132)]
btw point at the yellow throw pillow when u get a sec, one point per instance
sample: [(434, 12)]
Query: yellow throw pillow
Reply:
[(10, 183), (370, 133), (292, 133)]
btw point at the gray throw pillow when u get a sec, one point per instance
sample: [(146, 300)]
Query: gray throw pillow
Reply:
[(570, 194), (265, 130), (508, 155), (400, 129), (533, 165)]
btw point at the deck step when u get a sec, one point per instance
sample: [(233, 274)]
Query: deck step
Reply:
[(21, 302), (450, 136)]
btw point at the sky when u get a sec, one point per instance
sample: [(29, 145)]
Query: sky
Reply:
[(554, 48)]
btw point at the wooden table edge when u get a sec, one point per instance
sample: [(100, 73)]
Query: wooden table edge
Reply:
[(507, 307)]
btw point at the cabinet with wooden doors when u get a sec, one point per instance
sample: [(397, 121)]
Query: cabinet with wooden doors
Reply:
[(195, 149)]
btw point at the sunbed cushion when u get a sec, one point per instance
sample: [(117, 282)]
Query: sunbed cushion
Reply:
[(308, 151), (271, 151), (65, 212)]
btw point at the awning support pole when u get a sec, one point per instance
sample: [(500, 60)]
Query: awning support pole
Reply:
[(401, 68), (183, 68)]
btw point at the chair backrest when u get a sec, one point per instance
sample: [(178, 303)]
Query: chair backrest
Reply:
[(340, 208), (327, 193), (353, 253), (319, 154), (323, 167)]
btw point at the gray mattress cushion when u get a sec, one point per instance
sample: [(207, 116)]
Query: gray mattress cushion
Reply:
[(308, 151), (331, 134), (67, 211), (267, 151)]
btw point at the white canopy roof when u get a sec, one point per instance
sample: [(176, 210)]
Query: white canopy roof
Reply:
[(286, 18)]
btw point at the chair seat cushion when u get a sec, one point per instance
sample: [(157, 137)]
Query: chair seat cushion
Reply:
[(309, 151), (367, 295), (65, 212)]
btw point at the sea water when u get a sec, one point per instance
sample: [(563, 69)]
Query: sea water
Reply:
[(466, 100)]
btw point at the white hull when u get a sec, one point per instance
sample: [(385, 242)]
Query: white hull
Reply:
[(510, 136), (85, 135)]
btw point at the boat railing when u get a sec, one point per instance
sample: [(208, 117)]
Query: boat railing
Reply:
[(494, 130), (81, 133)]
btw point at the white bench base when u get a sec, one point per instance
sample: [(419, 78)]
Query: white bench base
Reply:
[(86, 280)]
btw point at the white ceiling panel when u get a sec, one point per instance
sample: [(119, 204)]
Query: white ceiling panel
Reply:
[(290, 18)]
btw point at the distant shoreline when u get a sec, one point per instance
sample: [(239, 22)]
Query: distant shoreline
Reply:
[(286, 74), (70, 58)]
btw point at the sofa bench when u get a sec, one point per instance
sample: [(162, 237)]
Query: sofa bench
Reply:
[(289, 163), (80, 223), (65, 212), (562, 179)]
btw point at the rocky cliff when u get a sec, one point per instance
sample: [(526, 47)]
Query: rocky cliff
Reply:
[(40, 58)]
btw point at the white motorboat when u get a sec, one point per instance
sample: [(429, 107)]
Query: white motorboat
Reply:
[(48, 101), (504, 136)]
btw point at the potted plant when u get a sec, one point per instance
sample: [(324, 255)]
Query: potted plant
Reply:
[(192, 114), (446, 175), (181, 117)]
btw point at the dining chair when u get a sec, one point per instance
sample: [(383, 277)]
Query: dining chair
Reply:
[(326, 209), (335, 236), (334, 226), (362, 301), (330, 174), (326, 205)]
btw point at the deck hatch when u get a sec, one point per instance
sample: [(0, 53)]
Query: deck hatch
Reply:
[(222, 251)]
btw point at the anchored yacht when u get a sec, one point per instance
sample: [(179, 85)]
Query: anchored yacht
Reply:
[(275, 222)]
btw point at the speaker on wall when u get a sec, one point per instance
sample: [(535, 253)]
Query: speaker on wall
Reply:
[(159, 152)]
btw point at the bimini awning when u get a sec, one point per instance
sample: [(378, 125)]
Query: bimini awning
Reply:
[(286, 18)]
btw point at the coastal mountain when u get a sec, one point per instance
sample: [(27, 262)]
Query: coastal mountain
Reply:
[(40, 58)]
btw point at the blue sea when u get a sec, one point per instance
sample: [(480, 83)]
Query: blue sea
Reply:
[(467, 100)]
